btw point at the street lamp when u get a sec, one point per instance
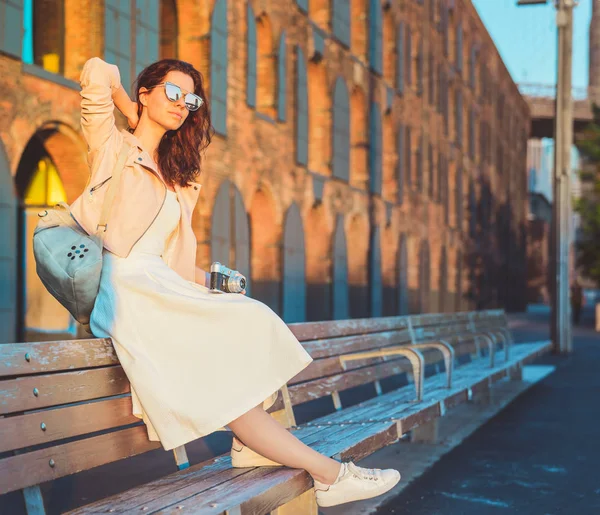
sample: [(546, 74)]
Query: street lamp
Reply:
[(561, 205)]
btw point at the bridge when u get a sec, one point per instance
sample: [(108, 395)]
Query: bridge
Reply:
[(541, 100)]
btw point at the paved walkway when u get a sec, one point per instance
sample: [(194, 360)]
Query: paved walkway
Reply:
[(541, 455)]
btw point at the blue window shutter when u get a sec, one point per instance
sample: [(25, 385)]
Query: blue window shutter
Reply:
[(400, 163), (400, 58), (472, 133), (282, 80), (440, 172), (146, 33), (408, 59), (375, 148), (376, 287), (301, 109), (408, 154), (459, 47), (341, 21), (241, 239), (251, 60), (220, 240), (341, 299), (424, 275), (420, 181), (375, 36), (9, 255), (117, 39), (11, 39), (341, 131), (431, 170), (294, 281), (303, 4), (420, 67), (459, 198), (443, 285), (403, 276), (218, 66)]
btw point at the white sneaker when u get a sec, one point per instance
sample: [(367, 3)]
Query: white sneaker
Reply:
[(354, 484)]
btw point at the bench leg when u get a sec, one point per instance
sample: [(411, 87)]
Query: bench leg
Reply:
[(516, 372), (34, 504), (427, 432), (305, 504)]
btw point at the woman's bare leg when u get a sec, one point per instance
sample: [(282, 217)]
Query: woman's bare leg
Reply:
[(264, 435)]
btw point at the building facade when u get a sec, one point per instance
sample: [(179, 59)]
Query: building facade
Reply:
[(369, 156)]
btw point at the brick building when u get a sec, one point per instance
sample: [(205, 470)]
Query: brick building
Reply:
[(369, 156)]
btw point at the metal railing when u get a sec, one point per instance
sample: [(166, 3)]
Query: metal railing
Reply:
[(531, 89)]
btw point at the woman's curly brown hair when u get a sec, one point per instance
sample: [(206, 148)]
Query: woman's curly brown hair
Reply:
[(179, 151)]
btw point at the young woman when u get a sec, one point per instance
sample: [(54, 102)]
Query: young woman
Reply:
[(197, 361)]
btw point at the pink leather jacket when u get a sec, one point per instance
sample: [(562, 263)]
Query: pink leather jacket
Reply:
[(142, 191)]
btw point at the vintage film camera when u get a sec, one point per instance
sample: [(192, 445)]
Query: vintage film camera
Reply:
[(225, 280)]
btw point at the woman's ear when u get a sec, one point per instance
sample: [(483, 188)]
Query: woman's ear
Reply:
[(142, 95)]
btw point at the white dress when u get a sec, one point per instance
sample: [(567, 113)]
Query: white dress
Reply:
[(196, 360)]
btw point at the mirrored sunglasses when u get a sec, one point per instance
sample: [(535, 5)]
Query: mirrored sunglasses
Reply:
[(174, 93)]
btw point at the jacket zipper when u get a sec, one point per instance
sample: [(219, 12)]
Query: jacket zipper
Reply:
[(100, 185)]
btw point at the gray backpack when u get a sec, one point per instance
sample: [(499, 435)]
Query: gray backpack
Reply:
[(68, 259)]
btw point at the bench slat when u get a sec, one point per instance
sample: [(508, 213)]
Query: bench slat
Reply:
[(61, 388), (33, 468), (335, 346), (317, 330), (56, 356), (26, 430)]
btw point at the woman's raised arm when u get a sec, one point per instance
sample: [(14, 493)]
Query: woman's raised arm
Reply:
[(99, 81)]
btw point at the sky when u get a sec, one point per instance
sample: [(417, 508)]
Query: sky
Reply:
[(526, 39)]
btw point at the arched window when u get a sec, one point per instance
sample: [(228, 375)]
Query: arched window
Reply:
[(424, 275), (375, 275), (420, 67), (341, 306), (401, 162), (341, 131), (146, 36), (117, 39), (281, 80), (341, 21), (294, 268), (39, 185), (301, 109), (375, 149), (375, 36), (403, 291), (230, 231), (400, 58), (443, 286), (218, 67), (251, 59)]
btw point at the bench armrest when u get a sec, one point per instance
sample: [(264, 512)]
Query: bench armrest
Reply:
[(447, 352), (414, 356)]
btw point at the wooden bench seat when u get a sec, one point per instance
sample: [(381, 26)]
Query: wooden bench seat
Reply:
[(67, 408)]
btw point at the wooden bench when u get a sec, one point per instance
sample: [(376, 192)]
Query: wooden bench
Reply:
[(59, 400)]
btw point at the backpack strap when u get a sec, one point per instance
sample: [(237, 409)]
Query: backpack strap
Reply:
[(112, 191)]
